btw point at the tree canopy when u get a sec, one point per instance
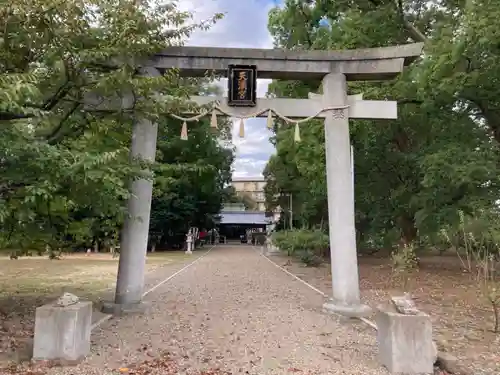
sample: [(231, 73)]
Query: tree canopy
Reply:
[(191, 195), (64, 167), (440, 157)]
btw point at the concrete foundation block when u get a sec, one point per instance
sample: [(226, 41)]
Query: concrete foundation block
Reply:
[(405, 342), (62, 333)]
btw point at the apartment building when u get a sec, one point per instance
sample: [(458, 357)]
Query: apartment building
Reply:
[(253, 187)]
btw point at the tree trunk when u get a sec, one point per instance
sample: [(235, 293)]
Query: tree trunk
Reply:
[(408, 229), (496, 317), (492, 118)]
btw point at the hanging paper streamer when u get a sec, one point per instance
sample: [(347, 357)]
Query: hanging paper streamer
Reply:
[(242, 128), (296, 136), (270, 122), (213, 121), (270, 119), (184, 131)]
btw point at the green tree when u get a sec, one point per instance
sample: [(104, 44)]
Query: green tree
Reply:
[(190, 181), (462, 56), (64, 167), (413, 174), (245, 198)]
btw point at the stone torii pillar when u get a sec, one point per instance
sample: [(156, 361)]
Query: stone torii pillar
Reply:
[(341, 214), (134, 238)]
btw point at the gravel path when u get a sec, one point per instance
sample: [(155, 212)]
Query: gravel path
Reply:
[(235, 311)]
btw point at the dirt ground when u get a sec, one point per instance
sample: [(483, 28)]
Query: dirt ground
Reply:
[(462, 319), (232, 312), (29, 282)]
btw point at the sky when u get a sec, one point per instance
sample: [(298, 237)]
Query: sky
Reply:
[(245, 26)]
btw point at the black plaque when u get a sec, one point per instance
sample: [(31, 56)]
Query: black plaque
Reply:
[(242, 86)]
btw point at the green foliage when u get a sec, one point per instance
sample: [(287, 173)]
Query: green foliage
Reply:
[(488, 282), (190, 183), (476, 241), (413, 174), (310, 259), (309, 245), (283, 241), (64, 165), (259, 238), (248, 201), (475, 238), (404, 265), (232, 196)]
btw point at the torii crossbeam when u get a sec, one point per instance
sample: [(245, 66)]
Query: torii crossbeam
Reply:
[(303, 108)]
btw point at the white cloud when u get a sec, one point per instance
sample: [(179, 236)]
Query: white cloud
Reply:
[(252, 151), (244, 26)]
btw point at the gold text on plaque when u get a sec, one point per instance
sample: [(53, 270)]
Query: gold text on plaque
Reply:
[(242, 85)]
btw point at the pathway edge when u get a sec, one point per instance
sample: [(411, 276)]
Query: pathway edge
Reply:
[(152, 289)]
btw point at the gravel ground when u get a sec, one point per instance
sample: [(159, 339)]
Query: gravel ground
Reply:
[(460, 316), (235, 311)]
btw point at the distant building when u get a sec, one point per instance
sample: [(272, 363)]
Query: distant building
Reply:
[(235, 220), (252, 187)]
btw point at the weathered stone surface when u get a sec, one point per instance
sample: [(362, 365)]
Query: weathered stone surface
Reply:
[(449, 363), (434, 352), (358, 64), (67, 299), (300, 108), (405, 305), (122, 309), (62, 332), (405, 342), (358, 310)]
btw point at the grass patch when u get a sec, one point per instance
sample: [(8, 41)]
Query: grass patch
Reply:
[(31, 281)]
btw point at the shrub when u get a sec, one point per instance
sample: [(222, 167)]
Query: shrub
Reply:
[(474, 238), (259, 238), (284, 240), (404, 265), (310, 259), (309, 245), (476, 241)]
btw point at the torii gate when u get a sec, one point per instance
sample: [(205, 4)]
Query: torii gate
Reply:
[(335, 68)]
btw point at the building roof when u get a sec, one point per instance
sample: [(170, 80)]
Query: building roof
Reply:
[(246, 217)]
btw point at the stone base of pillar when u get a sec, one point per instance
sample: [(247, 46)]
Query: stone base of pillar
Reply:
[(118, 309), (62, 333), (350, 311), (188, 252)]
